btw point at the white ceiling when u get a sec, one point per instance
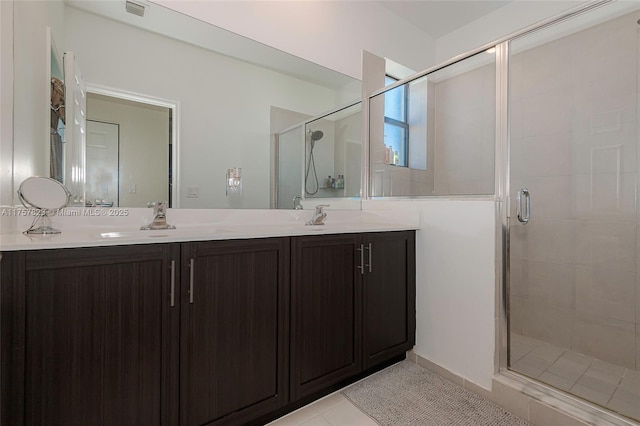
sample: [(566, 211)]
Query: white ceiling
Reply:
[(440, 17)]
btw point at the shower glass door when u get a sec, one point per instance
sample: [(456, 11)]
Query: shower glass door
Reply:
[(573, 291)]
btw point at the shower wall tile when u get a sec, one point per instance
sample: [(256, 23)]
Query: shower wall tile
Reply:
[(473, 90), (517, 237), (421, 181), (470, 187), (550, 323), (598, 61), (549, 283), (548, 155), (548, 114), (606, 152), (638, 299), (517, 283), (612, 341), (551, 196), (609, 245), (518, 315), (637, 347), (603, 109), (516, 120), (574, 145), (607, 293), (605, 197), (517, 69), (550, 240), (548, 69)]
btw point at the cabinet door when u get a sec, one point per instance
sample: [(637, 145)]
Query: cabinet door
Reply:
[(388, 295), (325, 312), (234, 352), (92, 330)]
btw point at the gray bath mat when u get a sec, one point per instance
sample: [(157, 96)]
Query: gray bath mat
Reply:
[(407, 394)]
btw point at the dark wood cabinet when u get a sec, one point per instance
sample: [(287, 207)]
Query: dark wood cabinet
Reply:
[(325, 312), (90, 341), (388, 308), (234, 335), (202, 333), (352, 307)]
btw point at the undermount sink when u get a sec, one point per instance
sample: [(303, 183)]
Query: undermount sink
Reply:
[(136, 234), (162, 233)]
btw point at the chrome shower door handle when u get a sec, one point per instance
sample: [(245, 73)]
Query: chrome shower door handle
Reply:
[(523, 195)]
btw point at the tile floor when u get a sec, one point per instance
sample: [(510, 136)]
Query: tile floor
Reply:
[(608, 385), (332, 410)]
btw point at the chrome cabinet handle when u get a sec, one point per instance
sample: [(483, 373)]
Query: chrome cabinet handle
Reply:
[(370, 263), (361, 266), (523, 194), (173, 283), (191, 268)]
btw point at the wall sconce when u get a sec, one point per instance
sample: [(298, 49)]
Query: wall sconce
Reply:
[(234, 181)]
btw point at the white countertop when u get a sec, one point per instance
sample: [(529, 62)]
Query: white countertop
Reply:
[(108, 227)]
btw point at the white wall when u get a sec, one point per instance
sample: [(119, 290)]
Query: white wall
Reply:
[(6, 103), (31, 86), (455, 279), (464, 124), (225, 104), (330, 33)]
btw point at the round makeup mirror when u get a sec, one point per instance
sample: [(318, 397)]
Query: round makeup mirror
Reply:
[(45, 195)]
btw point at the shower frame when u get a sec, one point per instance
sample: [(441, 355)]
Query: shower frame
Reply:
[(303, 125), (563, 401)]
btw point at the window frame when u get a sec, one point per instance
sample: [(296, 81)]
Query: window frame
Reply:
[(404, 162)]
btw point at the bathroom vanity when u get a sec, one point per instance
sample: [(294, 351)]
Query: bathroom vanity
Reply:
[(194, 332)]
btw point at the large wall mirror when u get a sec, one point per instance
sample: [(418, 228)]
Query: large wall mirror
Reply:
[(172, 103)]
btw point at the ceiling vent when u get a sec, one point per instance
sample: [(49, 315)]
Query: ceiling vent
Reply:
[(135, 8)]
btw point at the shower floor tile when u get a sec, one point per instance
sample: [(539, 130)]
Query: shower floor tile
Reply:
[(612, 386)]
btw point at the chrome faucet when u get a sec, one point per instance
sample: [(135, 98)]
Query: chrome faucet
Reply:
[(318, 215), (297, 205), (159, 217)]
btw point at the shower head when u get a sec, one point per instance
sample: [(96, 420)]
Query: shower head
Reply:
[(316, 135)]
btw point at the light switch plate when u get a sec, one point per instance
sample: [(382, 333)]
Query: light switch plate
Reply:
[(193, 192)]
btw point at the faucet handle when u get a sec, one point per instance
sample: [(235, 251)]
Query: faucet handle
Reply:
[(159, 216), (319, 207), (158, 206)]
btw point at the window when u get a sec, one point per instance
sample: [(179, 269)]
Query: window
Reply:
[(396, 126)]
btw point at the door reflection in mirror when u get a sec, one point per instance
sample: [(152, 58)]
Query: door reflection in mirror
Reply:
[(128, 146)]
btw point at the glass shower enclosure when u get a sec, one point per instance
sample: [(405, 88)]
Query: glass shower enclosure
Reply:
[(559, 103), (320, 158), (574, 259)]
